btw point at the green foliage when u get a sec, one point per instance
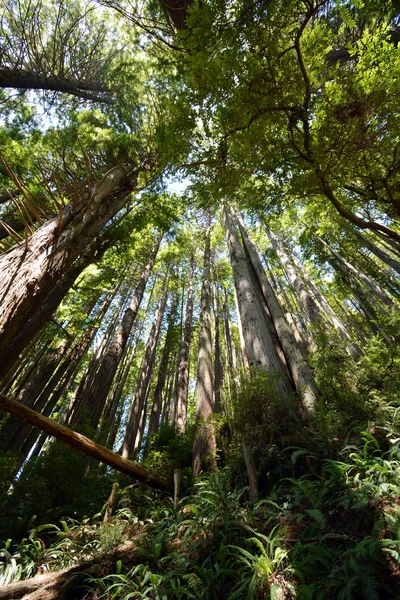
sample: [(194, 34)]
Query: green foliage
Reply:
[(59, 484), (169, 450), (355, 393), (332, 532)]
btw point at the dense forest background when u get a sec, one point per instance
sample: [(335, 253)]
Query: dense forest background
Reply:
[(199, 327)]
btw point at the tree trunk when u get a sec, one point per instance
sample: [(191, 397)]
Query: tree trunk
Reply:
[(146, 369), (313, 302), (218, 371), (95, 398), (300, 371), (260, 347), (204, 442), (381, 254), (180, 409), (162, 371), (30, 273), (45, 311), (83, 444), (108, 423), (372, 286), (389, 243), (27, 80)]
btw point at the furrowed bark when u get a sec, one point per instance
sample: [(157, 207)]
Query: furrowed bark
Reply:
[(46, 310), (30, 273), (300, 371), (162, 372), (95, 397), (260, 347), (140, 396), (204, 446), (180, 409)]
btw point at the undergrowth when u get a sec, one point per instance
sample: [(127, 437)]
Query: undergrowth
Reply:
[(329, 530)]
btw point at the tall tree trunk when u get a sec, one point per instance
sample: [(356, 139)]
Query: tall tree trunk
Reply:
[(368, 310), (218, 371), (260, 346), (95, 397), (180, 408), (45, 311), (371, 285), (229, 342), (146, 370), (204, 442), (73, 413), (162, 371), (389, 243), (300, 371), (313, 302), (114, 403), (30, 273)]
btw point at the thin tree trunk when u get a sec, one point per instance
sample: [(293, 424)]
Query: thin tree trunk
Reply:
[(390, 244), (218, 370), (139, 399), (162, 371), (180, 408), (204, 446), (313, 302), (95, 398), (372, 286), (108, 420)]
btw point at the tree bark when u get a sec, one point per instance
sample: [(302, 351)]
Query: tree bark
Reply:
[(180, 409), (27, 80), (300, 371), (313, 302), (45, 311), (260, 347), (371, 285), (204, 446), (140, 396), (389, 243), (162, 371), (218, 371), (381, 254), (95, 398), (30, 273)]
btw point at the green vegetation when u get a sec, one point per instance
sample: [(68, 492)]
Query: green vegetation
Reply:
[(199, 274)]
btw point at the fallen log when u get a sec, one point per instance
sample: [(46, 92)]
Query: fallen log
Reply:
[(57, 585), (84, 444)]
